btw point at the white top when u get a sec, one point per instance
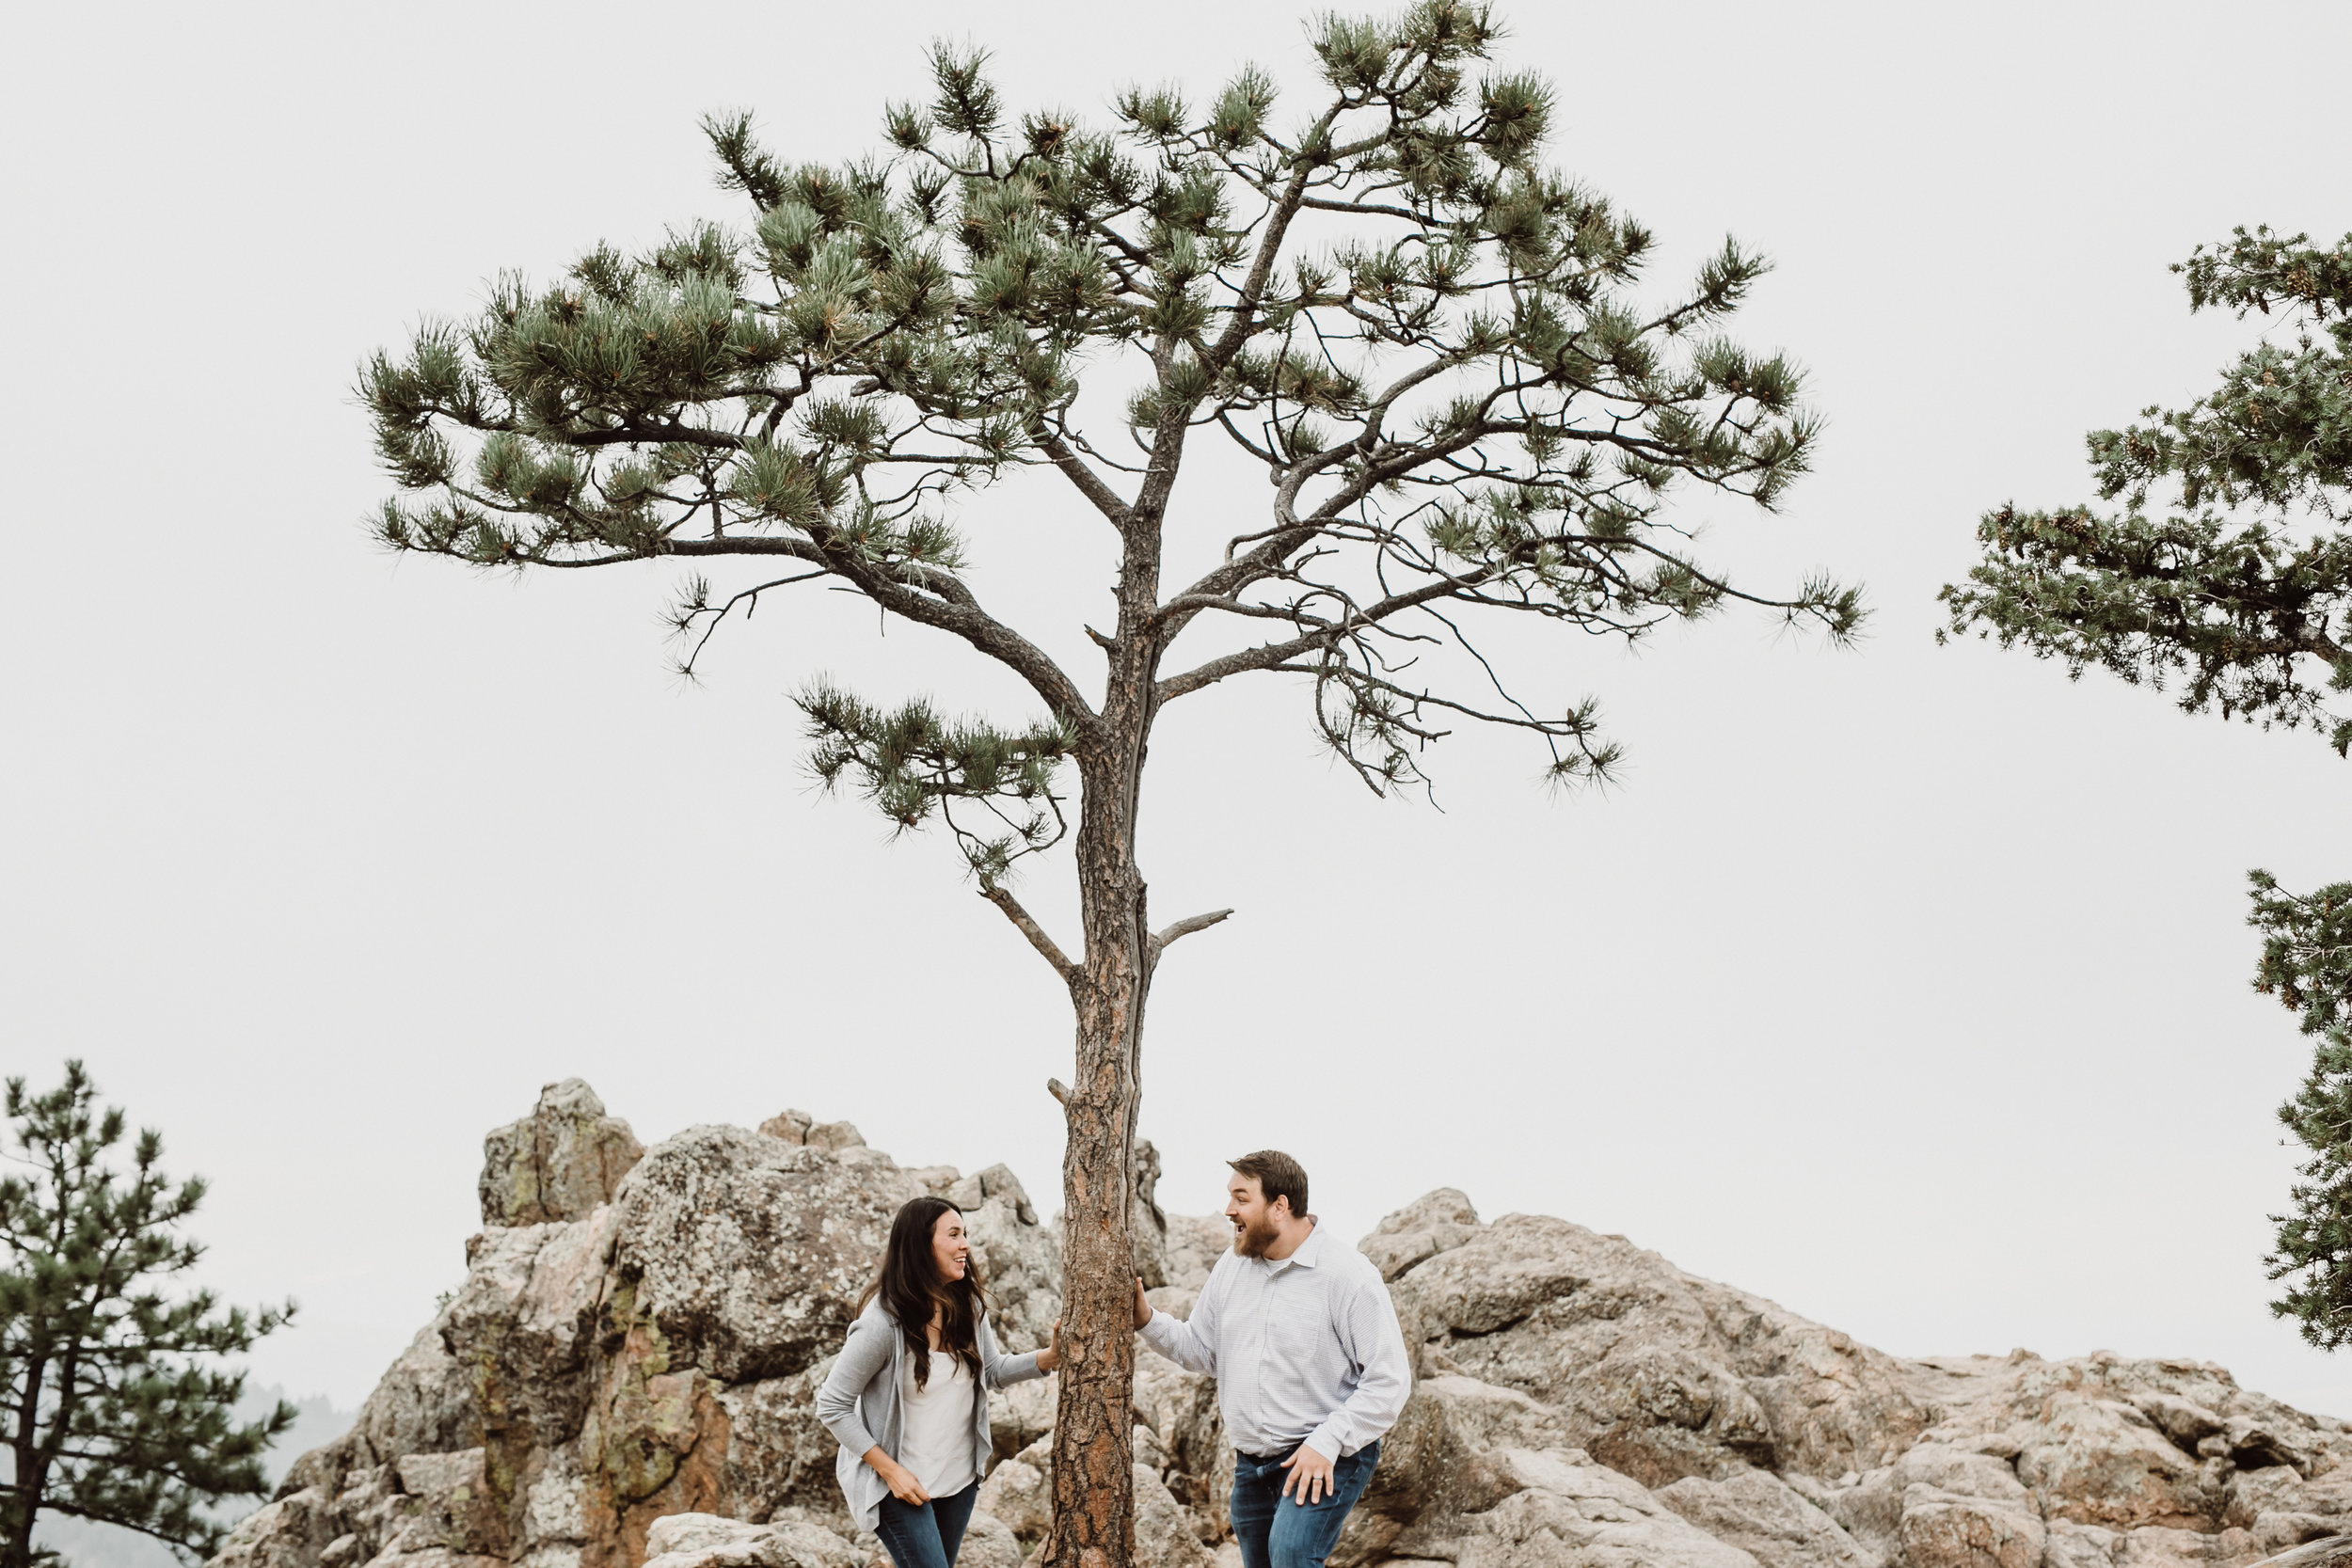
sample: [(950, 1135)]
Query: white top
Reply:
[(1304, 1351), (862, 1405), (937, 1443)]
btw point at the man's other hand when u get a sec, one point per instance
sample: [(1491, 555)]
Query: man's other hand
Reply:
[(1311, 1473), (1143, 1307)]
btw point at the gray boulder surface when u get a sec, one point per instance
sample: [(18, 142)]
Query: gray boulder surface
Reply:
[(626, 1377), (557, 1163)]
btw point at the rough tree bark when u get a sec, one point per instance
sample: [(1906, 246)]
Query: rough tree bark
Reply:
[(30, 1469), (1093, 1479)]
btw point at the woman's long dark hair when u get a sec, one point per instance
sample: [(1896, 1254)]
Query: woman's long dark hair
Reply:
[(910, 1289)]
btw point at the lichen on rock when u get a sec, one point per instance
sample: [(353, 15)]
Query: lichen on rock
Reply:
[(557, 1163)]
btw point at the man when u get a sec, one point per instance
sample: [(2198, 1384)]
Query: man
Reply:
[(1309, 1364)]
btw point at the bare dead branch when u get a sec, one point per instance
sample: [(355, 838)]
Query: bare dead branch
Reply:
[(1185, 928), (1028, 927)]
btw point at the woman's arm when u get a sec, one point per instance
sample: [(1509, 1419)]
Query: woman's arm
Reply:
[(1000, 1371), (866, 1352)]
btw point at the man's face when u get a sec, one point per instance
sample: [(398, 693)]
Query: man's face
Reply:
[(1257, 1224)]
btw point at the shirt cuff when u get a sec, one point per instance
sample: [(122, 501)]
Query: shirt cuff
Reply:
[(1156, 1331), (1326, 1442)]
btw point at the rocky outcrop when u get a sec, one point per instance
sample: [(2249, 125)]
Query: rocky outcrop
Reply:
[(557, 1163), (1792, 1444), (627, 1378), (1658, 1374), (638, 1339)]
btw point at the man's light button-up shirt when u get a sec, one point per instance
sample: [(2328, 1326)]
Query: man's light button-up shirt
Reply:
[(1306, 1350)]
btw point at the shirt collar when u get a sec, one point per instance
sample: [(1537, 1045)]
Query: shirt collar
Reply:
[(1307, 1251)]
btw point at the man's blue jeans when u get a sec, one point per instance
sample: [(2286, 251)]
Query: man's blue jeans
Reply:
[(1274, 1531), (926, 1537)]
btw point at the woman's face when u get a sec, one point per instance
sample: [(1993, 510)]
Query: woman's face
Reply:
[(951, 1252)]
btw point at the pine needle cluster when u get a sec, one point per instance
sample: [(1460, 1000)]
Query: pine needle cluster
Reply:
[(910, 764)]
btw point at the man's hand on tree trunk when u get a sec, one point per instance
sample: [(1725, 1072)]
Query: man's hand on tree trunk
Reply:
[(1143, 1307), (1311, 1473)]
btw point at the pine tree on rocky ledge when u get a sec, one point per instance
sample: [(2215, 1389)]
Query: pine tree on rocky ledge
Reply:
[(111, 1410), (1426, 341), (2242, 598)]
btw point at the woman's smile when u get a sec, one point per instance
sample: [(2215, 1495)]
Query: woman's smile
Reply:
[(951, 1250)]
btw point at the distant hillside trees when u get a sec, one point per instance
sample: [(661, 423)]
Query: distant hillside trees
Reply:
[(2238, 598), (113, 1404)]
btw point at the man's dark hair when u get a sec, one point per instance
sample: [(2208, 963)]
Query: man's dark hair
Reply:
[(1279, 1176)]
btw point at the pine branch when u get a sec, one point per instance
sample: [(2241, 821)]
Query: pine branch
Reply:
[(1089, 485), (1028, 927)]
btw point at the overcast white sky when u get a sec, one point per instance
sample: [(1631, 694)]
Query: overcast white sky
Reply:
[(1905, 986)]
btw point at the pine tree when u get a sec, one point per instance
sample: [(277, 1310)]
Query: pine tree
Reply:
[(2240, 596), (2307, 965), (112, 1411), (1427, 343)]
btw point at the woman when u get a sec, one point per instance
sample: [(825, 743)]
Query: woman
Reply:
[(908, 1398)]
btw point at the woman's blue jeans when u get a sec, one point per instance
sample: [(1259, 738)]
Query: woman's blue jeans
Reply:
[(926, 1537), (1275, 1532)]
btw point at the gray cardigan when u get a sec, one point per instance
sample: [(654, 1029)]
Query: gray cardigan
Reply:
[(860, 1403)]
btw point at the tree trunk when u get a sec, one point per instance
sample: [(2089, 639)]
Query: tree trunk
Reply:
[(1094, 1424), (28, 1474), (1093, 1481)]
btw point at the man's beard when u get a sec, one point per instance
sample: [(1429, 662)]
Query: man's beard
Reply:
[(1252, 1241)]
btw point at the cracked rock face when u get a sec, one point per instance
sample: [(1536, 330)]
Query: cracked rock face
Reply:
[(626, 1377), (638, 1339), (557, 1163), (1658, 1374)]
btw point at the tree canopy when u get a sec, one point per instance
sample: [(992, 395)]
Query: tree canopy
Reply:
[(2240, 594), (1422, 337), (115, 1404)]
